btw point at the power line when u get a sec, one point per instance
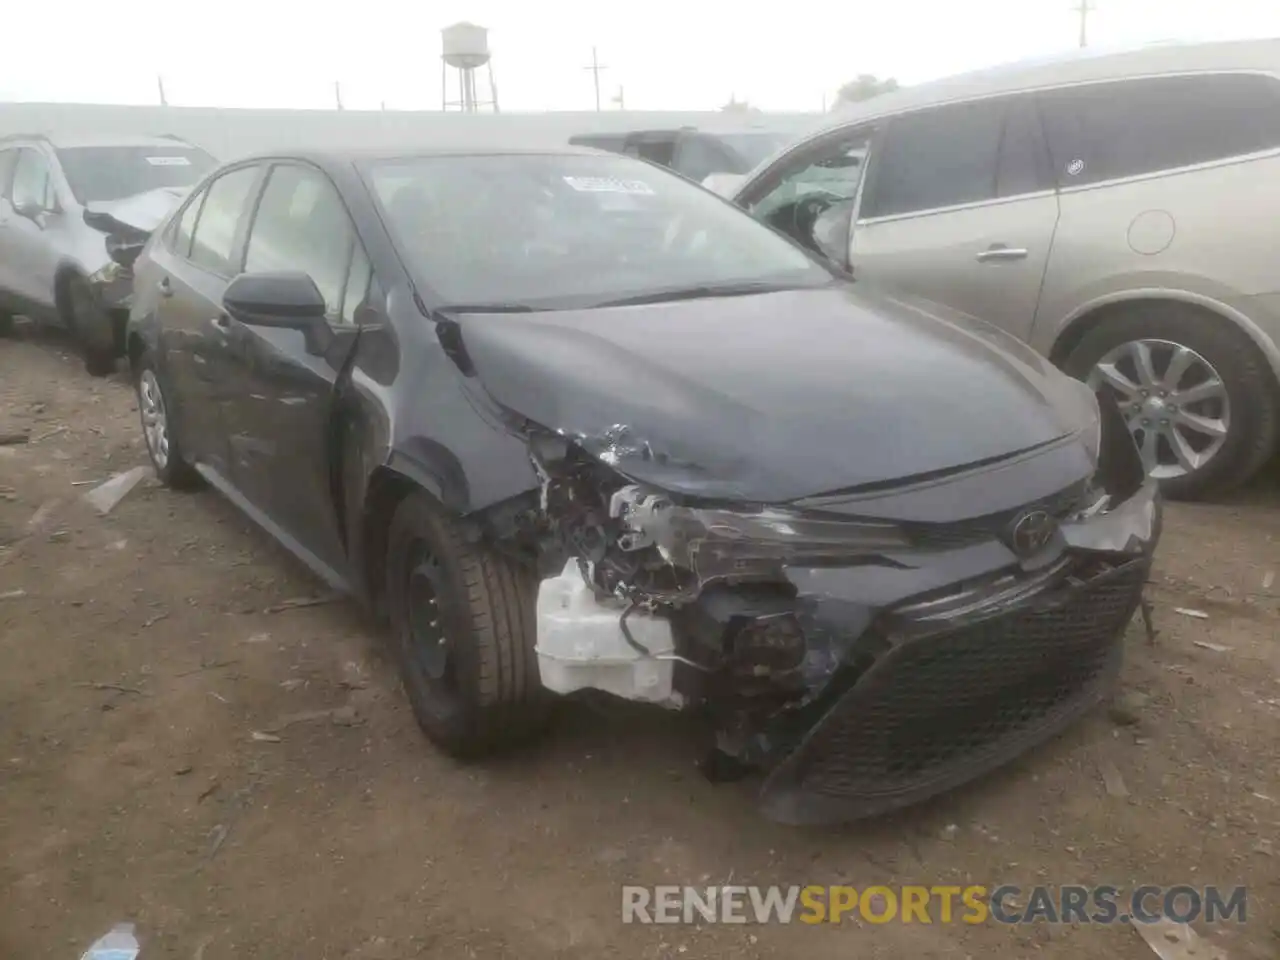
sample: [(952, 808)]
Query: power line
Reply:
[(595, 68)]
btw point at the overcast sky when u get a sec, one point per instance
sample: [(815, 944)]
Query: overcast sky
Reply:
[(690, 54)]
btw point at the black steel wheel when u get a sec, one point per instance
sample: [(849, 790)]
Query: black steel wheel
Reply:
[(463, 630)]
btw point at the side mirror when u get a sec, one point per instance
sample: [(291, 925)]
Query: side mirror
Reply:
[(288, 300)]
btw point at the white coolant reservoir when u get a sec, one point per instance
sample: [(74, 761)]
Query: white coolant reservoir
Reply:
[(581, 645)]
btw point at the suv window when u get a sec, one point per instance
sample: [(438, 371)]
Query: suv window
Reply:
[(834, 171), (32, 182), (302, 224), (698, 156), (1024, 165), (213, 243), (936, 158), (1107, 130)]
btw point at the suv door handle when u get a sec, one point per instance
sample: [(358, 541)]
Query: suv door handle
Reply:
[(165, 286), (998, 251)]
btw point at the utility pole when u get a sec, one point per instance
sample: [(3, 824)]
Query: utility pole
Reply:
[(1083, 8), (337, 93), (619, 100), (160, 83), (595, 68)]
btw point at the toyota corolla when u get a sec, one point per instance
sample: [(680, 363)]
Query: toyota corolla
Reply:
[(569, 421)]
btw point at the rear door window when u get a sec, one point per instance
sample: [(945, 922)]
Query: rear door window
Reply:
[(213, 244), (1106, 131), (1024, 165)]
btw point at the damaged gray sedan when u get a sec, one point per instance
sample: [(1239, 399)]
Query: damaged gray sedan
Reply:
[(570, 422)]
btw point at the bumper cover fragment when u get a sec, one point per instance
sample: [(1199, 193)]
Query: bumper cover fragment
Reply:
[(939, 709)]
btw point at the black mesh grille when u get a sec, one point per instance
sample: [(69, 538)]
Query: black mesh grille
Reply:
[(963, 533), (938, 710)]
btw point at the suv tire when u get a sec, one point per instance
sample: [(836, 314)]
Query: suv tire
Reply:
[(90, 324), (463, 629), (1249, 386), (6, 324), (164, 446)]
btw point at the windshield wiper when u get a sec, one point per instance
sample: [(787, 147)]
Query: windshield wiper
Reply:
[(486, 308), (700, 292)]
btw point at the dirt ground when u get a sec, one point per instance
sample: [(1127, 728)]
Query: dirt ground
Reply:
[(244, 783)]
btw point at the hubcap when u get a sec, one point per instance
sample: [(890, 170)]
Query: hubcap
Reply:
[(430, 647), (1174, 401), (155, 420)]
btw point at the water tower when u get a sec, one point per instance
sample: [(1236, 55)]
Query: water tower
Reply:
[(466, 50)]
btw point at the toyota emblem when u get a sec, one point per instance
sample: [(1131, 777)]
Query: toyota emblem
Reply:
[(1032, 532)]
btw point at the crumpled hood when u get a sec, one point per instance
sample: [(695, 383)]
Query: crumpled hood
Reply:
[(776, 396), (139, 214)]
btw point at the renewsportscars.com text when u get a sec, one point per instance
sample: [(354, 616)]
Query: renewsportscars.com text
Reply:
[(973, 904)]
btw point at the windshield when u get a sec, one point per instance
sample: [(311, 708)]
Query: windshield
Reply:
[(753, 147), (113, 173), (563, 231)]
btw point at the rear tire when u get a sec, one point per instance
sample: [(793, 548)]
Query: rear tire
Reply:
[(1249, 385), (463, 628), (6, 324), (159, 429)]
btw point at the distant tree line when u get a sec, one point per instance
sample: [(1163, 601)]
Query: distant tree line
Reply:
[(864, 87)]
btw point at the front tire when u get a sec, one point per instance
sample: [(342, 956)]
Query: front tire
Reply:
[(92, 326), (164, 447), (1196, 392), (463, 628)]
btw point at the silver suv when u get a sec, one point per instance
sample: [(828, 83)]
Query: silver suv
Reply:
[(58, 195), (1115, 211)]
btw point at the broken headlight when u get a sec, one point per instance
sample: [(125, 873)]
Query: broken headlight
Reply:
[(718, 542), (108, 274)]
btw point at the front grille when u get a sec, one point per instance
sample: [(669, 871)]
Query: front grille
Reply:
[(964, 533), (940, 709)]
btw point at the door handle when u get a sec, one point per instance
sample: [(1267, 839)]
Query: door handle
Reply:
[(165, 286), (998, 252)]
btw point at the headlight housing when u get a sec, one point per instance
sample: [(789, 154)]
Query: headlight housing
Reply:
[(720, 542)]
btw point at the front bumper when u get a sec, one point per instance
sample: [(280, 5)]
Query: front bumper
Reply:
[(956, 680)]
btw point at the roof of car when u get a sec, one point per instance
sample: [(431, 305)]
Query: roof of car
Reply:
[(475, 148), (1079, 66), (69, 140)]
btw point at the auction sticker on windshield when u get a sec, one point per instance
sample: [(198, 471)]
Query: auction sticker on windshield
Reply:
[(169, 161), (608, 185)]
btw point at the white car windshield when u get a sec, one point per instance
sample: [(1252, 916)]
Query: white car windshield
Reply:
[(566, 230)]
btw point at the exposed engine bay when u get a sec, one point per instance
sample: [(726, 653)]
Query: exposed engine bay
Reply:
[(770, 621)]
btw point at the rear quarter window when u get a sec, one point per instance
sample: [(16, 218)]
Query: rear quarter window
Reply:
[(1106, 131)]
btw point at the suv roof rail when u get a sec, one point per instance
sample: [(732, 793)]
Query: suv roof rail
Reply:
[(173, 136)]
